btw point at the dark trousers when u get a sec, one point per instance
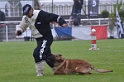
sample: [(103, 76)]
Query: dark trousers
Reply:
[(43, 51), (77, 14)]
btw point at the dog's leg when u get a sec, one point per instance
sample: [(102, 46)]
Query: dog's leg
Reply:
[(83, 69)]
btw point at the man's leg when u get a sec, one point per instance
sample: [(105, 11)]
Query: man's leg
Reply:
[(42, 54), (74, 13), (79, 16), (47, 55), (38, 56)]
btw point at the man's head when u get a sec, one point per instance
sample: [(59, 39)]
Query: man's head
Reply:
[(27, 10)]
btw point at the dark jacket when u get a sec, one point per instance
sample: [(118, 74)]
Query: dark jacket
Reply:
[(78, 4), (2, 16), (45, 19)]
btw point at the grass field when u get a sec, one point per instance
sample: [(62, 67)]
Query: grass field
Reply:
[(17, 63)]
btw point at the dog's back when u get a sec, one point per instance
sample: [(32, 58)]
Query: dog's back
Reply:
[(72, 64)]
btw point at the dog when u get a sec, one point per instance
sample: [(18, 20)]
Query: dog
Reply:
[(73, 66)]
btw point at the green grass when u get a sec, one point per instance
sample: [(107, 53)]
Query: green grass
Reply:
[(17, 63)]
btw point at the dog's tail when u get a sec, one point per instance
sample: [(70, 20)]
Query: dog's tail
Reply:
[(101, 70)]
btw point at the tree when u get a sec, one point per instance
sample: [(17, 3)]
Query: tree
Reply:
[(105, 14), (36, 5), (112, 16)]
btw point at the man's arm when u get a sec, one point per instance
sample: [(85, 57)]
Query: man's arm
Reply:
[(22, 26), (61, 22), (50, 17)]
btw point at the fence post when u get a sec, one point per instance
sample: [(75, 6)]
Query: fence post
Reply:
[(6, 33)]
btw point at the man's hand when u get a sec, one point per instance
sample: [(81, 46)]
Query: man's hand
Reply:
[(18, 33), (65, 25)]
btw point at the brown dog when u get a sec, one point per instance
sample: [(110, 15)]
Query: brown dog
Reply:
[(73, 66)]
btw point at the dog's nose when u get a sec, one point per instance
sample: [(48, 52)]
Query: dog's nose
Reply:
[(60, 54)]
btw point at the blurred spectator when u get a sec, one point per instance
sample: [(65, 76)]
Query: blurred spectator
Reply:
[(77, 6), (2, 18)]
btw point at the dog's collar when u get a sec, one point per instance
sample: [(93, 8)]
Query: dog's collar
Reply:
[(60, 65)]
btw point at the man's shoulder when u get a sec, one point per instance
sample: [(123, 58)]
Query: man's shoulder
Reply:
[(37, 11)]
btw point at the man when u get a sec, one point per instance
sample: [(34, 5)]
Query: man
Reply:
[(38, 21), (2, 18), (77, 10)]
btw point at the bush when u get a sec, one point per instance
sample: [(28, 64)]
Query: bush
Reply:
[(105, 14), (121, 13)]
